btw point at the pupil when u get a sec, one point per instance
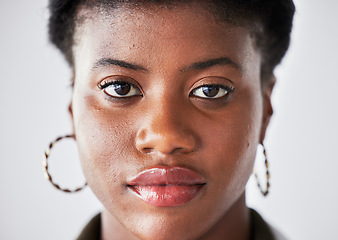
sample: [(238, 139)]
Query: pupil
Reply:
[(122, 88), (210, 91)]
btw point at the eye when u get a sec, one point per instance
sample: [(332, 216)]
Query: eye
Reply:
[(119, 89), (211, 91)]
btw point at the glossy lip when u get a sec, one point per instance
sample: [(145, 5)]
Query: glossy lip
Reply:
[(167, 186)]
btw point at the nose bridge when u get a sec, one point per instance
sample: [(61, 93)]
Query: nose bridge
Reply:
[(166, 128), (166, 114)]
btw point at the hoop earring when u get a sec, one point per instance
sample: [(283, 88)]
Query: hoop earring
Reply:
[(45, 166), (266, 191)]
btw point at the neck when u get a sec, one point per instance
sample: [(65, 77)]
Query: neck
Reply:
[(234, 225)]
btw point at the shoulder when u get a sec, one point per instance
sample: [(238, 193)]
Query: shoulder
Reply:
[(261, 230), (92, 231)]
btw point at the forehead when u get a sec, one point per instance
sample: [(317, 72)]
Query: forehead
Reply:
[(127, 33)]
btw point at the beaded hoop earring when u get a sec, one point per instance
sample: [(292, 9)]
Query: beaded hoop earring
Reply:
[(45, 166), (266, 191)]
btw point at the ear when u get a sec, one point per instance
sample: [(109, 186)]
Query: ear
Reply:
[(70, 110), (267, 87), (70, 106)]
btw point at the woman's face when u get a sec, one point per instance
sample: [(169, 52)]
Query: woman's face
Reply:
[(166, 91)]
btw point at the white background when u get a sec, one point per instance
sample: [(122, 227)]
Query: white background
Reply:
[(302, 140)]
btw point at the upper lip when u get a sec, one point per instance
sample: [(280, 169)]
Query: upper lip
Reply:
[(167, 176)]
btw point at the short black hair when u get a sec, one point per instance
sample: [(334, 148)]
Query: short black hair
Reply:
[(270, 22)]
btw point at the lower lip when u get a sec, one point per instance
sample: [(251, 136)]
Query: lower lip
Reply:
[(167, 196)]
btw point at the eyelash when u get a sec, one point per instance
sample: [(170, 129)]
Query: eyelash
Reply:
[(103, 85), (227, 89), (106, 83)]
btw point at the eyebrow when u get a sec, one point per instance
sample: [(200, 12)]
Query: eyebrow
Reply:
[(211, 63), (110, 61), (195, 66)]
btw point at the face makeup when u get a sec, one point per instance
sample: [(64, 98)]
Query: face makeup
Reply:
[(167, 186), (167, 110)]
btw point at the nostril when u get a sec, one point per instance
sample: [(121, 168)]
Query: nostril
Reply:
[(166, 144), (165, 138), (179, 149), (146, 150)]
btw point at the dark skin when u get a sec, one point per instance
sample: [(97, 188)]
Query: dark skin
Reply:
[(187, 93)]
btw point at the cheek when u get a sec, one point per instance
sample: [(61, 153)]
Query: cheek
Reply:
[(231, 145), (103, 144)]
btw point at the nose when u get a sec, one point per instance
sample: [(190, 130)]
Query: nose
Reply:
[(166, 129)]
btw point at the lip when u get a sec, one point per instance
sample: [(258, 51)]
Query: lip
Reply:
[(167, 186)]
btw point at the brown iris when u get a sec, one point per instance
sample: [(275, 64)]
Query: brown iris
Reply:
[(210, 91), (122, 88)]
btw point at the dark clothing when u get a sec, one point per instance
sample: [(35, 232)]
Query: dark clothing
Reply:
[(260, 230), (92, 230)]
